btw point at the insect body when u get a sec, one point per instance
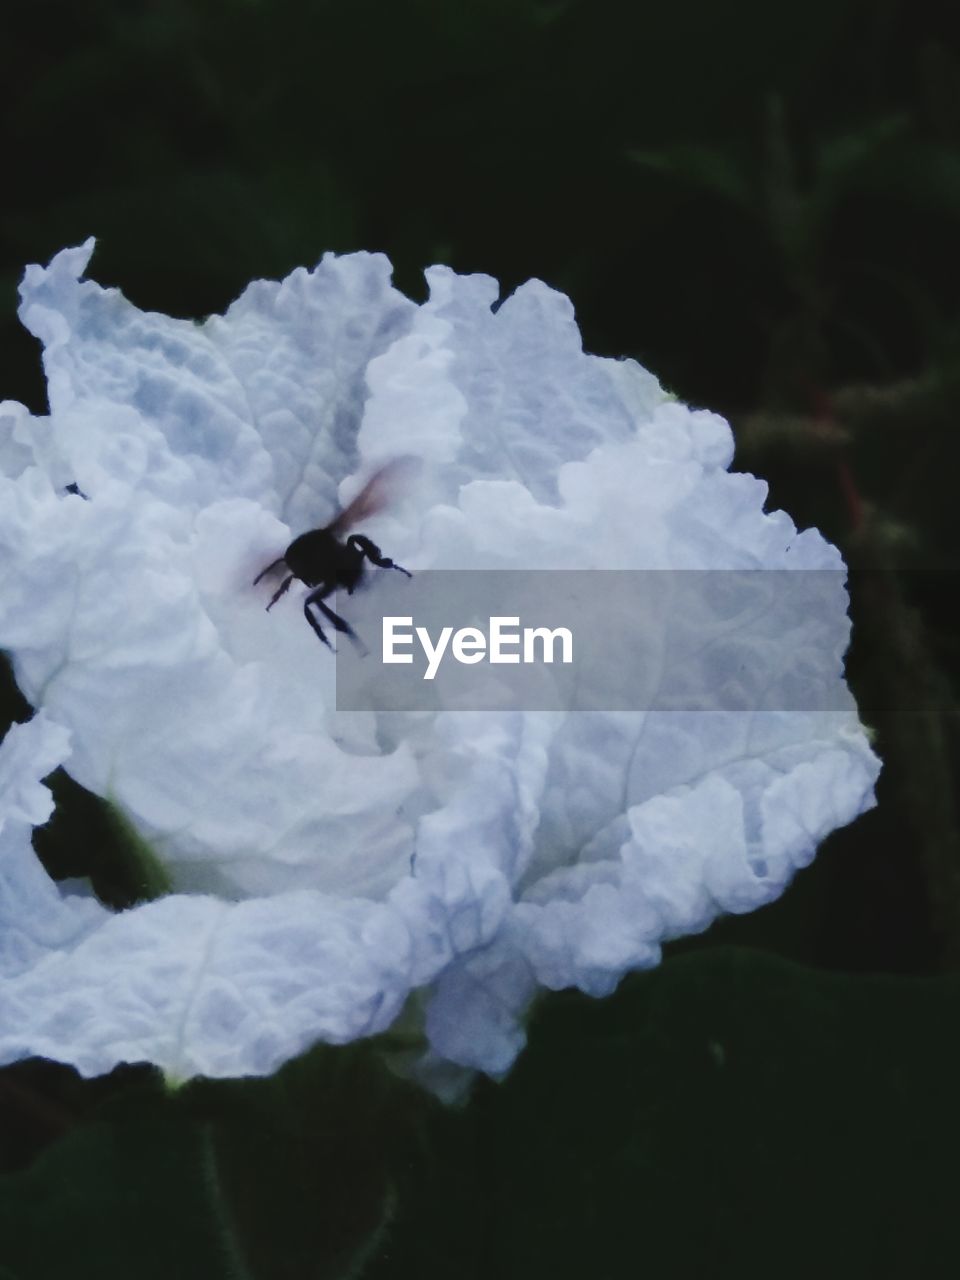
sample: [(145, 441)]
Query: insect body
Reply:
[(324, 560)]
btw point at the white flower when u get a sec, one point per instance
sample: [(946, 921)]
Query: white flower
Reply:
[(325, 865)]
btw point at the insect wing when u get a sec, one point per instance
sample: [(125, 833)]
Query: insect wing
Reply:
[(374, 497)]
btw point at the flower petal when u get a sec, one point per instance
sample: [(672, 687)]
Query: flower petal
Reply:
[(36, 920), (329, 865)]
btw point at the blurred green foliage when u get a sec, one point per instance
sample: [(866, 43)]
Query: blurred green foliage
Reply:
[(728, 1114), (762, 204)]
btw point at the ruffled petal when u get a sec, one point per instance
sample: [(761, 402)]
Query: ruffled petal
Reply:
[(328, 866)]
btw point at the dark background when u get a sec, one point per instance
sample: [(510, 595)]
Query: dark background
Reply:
[(761, 203)]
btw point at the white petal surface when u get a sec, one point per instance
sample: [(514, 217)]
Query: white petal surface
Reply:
[(36, 921), (204, 987), (328, 865)]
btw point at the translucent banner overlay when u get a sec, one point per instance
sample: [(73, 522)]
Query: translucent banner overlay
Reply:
[(594, 640)]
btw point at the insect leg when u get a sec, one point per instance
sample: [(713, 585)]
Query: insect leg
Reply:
[(374, 554), (279, 592), (316, 597), (314, 623), (263, 573)]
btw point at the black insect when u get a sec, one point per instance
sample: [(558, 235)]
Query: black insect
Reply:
[(325, 560)]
